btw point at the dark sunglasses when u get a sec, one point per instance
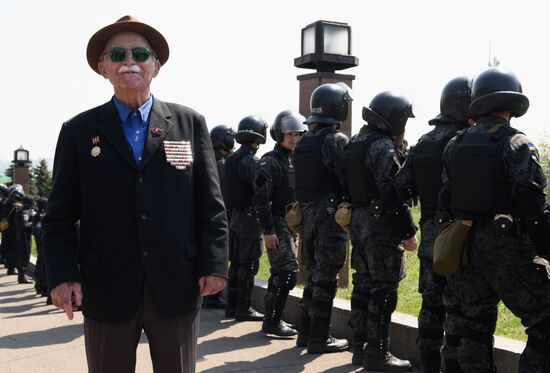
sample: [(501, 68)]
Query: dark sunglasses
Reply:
[(118, 54)]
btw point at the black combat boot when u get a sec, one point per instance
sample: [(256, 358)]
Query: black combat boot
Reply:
[(320, 340), (231, 302), (244, 310), (214, 301), (431, 362), (378, 358), (11, 271), (304, 329), (21, 278), (275, 301), (357, 348)]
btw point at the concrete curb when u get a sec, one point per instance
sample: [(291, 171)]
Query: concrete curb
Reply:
[(403, 330)]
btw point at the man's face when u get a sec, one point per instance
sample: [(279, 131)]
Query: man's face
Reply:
[(128, 75), (290, 140)]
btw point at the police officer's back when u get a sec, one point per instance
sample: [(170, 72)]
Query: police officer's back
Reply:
[(420, 178), (492, 176), (380, 224)]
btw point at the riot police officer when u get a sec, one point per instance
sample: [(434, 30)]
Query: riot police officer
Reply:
[(4, 211), (273, 191), (223, 141), (420, 177), (382, 228), (492, 177), (319, 189), (16, 194), (41, 284), (23, 224), (245, 233)]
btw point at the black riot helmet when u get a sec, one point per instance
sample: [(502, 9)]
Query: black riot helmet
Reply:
[(16, 192), (252, 129), (28, 201), (287, 121), (389, 112), (496, 89), (455, 100), (223, 136), (41, 203), (329, 103), (4, 192)]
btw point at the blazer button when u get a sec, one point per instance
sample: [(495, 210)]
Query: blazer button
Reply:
[(140, 179), (143, 216), (145, 253)]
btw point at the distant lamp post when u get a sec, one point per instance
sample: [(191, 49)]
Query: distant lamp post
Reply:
[(21, 164), (326, 47)]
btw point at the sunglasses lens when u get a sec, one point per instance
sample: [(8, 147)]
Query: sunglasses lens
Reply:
[(140, 54), (117, 54)]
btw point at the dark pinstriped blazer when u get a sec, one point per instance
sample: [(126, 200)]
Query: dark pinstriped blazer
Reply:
[(153, 222)]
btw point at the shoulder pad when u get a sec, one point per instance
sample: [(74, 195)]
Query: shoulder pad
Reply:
[(519, 140)]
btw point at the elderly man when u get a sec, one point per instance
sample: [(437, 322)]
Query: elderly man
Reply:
[(140, 176)]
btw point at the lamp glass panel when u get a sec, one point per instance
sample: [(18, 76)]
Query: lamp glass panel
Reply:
[(22, 155), (308, 40), (336, 39)]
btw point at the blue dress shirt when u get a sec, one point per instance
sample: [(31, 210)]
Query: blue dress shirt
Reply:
[(135, 124)]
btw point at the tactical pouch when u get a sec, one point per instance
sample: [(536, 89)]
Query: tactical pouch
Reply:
[(450, 247), (4, 225), (343, 216), (293, 217)]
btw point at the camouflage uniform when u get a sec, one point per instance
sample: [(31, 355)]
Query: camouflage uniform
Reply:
[(41, 284), (324, 242), (271, 195), (10, 237), (245, 238), (23, 225), (440, 308), (500, 266), (377, 257)]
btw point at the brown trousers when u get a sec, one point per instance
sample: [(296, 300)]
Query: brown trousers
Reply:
[(111, 346)]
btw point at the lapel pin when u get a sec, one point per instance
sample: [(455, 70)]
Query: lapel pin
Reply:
[(95, 140), (96, 150), (157, 131)]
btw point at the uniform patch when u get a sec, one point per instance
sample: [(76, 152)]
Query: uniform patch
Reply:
[(178, 153)]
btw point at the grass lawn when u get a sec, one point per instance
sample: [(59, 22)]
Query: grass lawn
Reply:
[(410, 301)]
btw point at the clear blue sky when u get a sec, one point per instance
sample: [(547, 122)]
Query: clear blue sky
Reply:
[(234, 58)]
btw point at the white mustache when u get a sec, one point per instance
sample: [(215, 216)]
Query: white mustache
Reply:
[(129, 69)]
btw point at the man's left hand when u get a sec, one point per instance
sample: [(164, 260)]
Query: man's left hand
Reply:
[(410, 244), (209, 285)]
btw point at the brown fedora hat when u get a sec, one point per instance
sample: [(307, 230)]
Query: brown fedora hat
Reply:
[(97, 42)]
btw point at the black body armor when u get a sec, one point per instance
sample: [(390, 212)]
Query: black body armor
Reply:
[(238, 192)]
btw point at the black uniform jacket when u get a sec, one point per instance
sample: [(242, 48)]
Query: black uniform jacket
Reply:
[(153, 223)]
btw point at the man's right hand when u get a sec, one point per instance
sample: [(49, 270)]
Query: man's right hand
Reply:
[(271, 241), (66, 296)]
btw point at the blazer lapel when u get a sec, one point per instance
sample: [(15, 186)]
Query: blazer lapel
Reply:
[(109, 125), (159, 126)]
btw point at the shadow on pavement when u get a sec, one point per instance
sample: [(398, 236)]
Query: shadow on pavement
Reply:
[(59, 335)]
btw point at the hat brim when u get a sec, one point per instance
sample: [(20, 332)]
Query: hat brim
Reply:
[(97, 42), (441, 119), (514, 102)]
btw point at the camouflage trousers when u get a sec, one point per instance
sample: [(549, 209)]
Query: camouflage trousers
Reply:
[(503, 268), (324, 253), (245, 250), (378, 260), (284, 257), (440, 306)]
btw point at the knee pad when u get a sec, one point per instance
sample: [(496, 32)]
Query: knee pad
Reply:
[(360, 301), (386, 300)]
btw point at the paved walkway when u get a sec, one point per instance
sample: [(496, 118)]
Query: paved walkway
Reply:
[(35, 337)]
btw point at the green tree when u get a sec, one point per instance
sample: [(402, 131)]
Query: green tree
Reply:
[(9, 173), (543, 145), (41, 179)]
